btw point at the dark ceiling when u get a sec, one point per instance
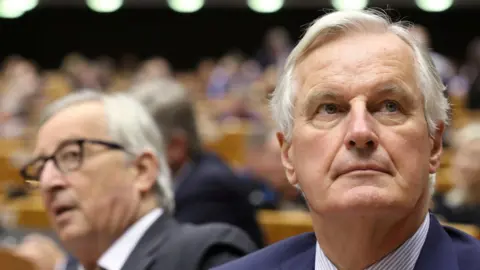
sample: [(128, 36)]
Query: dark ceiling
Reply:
[(242, 3)]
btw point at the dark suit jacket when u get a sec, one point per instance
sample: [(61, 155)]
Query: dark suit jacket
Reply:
[(444, 249), (167, 245), (209, 191)]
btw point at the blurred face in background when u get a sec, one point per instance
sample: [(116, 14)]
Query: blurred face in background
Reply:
[(266, 162), (466, 165), (155, 68), (276, 174), (230, 64), (22, 76), (205, 68)]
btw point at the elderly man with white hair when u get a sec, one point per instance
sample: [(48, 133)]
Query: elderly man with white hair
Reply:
[(104, 178), (362, 112)]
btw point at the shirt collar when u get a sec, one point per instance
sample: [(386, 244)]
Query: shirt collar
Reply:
[(404, 257), (116, 255)]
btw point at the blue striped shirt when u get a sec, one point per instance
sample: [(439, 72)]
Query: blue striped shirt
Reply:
[(405, 257)]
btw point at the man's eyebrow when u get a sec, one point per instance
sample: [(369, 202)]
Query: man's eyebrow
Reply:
[(394, 90), (41, 152), (314, 97)]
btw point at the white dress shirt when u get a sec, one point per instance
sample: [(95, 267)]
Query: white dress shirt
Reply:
[(405, 257), (116, 255)]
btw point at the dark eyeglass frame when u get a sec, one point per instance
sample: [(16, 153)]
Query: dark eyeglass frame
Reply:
[(53, 157)]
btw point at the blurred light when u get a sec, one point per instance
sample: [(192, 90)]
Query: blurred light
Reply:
[(104, 5), (265, 6), (11, 9), (349, 4), (434, 5), (29, 4), (186, 6)]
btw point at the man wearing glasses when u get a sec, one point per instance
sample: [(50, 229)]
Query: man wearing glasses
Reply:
[(106, 187)]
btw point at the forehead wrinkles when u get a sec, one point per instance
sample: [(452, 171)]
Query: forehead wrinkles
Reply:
[(355, 55), (350, 53)]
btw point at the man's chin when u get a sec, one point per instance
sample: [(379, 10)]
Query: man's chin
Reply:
[(363, 200), (70, 233)]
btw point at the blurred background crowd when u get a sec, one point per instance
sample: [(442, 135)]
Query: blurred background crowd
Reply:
[(228, 57)]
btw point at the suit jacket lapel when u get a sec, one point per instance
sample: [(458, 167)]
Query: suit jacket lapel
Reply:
[(437, 252), (304, 260), (142, 257)]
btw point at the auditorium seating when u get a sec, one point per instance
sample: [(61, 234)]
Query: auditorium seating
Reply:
[(9, 174), (27, 212), (278, 225), (10, 261), (232, 145)]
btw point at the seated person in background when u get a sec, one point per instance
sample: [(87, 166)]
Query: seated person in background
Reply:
[(154, 68), (222, 74), (106, 188), (462, 203), (361, 113), (20, 99), (240, 107), (270, 188), (206, 189)]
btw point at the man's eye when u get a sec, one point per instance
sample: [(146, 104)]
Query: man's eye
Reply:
[(390, 106), (70, 155), (328, 109)]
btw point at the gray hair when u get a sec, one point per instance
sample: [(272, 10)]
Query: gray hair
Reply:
[(169, 104), (341, 23), (131, 126)]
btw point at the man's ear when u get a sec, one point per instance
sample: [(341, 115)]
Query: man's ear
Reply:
[(286, 155), (146, 171), (436, 142)]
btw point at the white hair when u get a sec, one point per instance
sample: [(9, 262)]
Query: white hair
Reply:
[(130, 125), (339, 24)]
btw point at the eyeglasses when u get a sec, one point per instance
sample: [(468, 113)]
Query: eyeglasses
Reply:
[(68, 157)]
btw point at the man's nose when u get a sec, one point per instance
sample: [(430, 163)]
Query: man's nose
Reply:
[(360, 130), (51, 178)]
